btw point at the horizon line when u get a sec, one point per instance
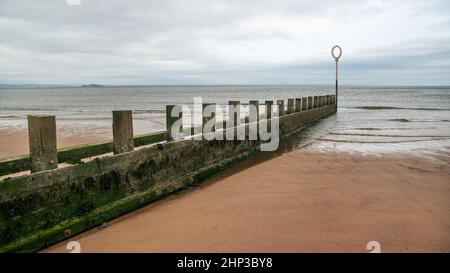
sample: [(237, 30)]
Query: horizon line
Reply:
[(95, 85)]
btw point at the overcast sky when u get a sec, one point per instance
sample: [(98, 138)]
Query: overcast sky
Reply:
[(224, 42)]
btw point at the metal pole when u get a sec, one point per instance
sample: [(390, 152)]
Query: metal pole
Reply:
[(336, 58), (337, 78)]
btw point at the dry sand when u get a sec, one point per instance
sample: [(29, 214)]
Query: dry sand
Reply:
[(300, 201)]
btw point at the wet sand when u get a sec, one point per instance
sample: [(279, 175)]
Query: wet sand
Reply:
[(15, 142), (300, 201)]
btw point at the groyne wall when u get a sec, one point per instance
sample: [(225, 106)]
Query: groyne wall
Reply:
[(51, 204)]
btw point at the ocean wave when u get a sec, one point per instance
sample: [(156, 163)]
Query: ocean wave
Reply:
[(12, 117), (381, 142), (383, 135), (73, 118), (392, 128), (30, 109), (418, 120), (152, 111), (83, 114), (397, 108)]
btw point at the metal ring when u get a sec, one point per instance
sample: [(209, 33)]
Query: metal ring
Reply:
[(340, 52)]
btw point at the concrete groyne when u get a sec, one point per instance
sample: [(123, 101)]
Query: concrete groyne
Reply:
[(51, 204)]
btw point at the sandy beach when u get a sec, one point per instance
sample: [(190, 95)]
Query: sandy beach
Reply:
[(224, 127), (329, 196), (300, 201), (15, 142)]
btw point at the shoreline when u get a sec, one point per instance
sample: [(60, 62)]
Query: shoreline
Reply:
[(299, 201)]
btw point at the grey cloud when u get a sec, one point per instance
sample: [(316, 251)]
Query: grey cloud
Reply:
[(220, 42)]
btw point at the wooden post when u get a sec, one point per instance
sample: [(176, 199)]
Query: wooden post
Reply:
[(255, 103), (254, 113), (304, 103), (192, 114), (291, 106), (298, 105), (208, 116), (316, 101), (171, 120), (122, 132), (310, 103), (269, 104), (42, 143), (280, 104), (236, 114)]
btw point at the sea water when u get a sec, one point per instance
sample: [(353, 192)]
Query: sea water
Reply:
[(370, 119)]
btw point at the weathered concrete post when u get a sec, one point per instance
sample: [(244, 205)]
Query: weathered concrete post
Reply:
[(171, 120), (291, 106), (310, 103), (321, 101), (208, 115), (304, 103), (298, 105), (280, 104), (269, 104), (42, 143), (328, 99), (316, 101), (122, 132)]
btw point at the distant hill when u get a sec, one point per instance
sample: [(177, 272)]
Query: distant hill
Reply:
[(91, 85)]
